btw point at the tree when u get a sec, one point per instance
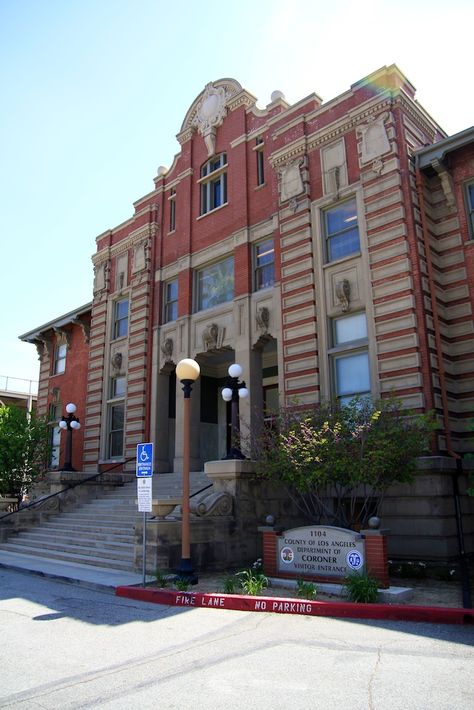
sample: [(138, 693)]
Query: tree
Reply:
[(23, 450), (337, 462)]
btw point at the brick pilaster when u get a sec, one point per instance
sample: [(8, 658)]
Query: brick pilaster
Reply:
[(376, 556), (270, 543)]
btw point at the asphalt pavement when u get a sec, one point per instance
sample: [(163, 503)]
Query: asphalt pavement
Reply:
[(67, 646)]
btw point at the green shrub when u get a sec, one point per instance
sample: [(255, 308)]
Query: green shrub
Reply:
[(252, 583), (161, 579), (229, 585), (182, 584), (361, 588), (306, 590)]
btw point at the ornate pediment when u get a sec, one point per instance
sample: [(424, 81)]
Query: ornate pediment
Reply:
[(209, 110)]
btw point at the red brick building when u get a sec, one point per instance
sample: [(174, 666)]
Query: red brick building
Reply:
[(326, 247)]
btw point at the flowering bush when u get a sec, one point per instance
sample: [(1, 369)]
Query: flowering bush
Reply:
[(336, 462)]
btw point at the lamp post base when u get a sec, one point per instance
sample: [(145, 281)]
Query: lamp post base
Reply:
[(186, 571)]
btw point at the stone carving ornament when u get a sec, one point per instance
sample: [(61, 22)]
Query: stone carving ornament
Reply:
[(214, 504), (374, 136), (263, 319), (343, 294), (116, 362), (210, 114), (210, 337), (167, 349), (291, 180)]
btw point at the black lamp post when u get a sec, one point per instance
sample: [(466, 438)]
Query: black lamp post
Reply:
[(187, 372), (70, 423), (233, 391)]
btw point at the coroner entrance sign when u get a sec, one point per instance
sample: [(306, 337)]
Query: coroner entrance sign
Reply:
[(320, 551)]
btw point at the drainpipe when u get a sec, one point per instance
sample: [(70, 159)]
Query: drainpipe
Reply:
[(466, 591)]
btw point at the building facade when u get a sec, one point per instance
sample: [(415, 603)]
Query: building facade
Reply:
[(328, 248)]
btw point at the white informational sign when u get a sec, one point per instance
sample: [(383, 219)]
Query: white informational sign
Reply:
[(321, 551), (144, 494)]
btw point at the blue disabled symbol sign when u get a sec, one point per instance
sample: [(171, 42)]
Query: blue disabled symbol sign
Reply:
[(144, 466)]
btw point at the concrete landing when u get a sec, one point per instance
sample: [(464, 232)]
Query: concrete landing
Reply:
[(84, 575)]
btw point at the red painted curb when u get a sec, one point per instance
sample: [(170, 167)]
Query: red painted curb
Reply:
[(284, 605)]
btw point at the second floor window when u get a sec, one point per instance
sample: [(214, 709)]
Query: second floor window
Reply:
[(171, 301), (214, 183), (264, 264), (341, 230), (260, 161), (470, 208), (172, 201), (120, 326), (215, 284), (350, 357), (60, 359)]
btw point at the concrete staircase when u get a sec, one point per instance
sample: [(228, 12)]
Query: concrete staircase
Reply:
[(99, 532)]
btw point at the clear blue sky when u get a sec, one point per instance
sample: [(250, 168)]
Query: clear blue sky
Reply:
[(93, 93)]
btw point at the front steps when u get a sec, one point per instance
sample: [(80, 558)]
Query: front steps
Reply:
[(100, 532)]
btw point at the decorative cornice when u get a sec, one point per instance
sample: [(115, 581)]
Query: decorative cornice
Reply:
[(125, 244), (297, 149), (184, 136), (243, 99), (85, 327)]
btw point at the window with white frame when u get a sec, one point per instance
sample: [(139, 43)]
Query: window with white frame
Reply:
[(470, 207), (172, 203), (215, 284), (260, 161), (171, 301), (214, 183), (120, 319), (350, 357), (54, 435), (341, 230), (264, 264), (116, 417), (60, 353)]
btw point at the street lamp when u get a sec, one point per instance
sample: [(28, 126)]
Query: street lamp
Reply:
[(187, 372), (70, 423), (232, 393)]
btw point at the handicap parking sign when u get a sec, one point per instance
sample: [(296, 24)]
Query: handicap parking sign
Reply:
[(144, 465)]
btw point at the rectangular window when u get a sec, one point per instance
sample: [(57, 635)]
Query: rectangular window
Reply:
[(60, 359), (116, 421), (117, 387), (470, 208), (215, 284), (341, 230), (171, 301), (214, 183), (172, 201), (260, 161), (54, 436), (350, 357), (116, 417), (120, 327), (264, 264)]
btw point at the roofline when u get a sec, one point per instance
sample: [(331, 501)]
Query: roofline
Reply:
[(59, 322), (439, 150)]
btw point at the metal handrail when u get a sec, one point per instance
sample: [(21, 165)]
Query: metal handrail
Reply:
[(70, 486)]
